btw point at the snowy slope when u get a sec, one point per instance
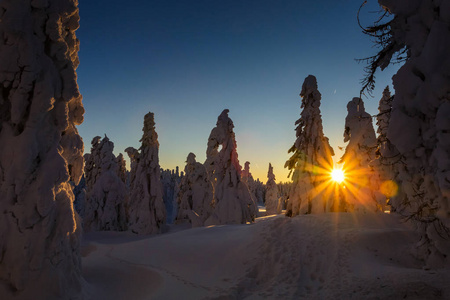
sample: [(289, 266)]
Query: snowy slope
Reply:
[(329, 256)]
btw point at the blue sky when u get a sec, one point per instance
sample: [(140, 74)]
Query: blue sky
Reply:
[(186, 61)]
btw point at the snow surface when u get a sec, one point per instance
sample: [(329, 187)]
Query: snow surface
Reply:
[(318, 256)]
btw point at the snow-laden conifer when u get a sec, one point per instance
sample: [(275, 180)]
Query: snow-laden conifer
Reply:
[(146, 211), (80, 197), (41, 151), (388, 159), (122, 169), (272, 198), (195, 198), (233, 202), (260, 192), (311, 159), (419, 34), (247, 178), (106, 194), (363, 184), (170, 180), (284, 188)]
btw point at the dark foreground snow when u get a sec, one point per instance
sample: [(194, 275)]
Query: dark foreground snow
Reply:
[(327, 256)]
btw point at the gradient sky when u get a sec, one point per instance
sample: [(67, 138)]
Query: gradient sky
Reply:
[(186, 61)]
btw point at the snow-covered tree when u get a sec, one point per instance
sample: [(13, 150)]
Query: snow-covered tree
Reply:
[(146, 210), (260, 192), (196, 195), (311, 159), (247, 178), (419, 126), (233, 202), (362, 181), (284, 188), (170, 180), (272, 199), (122, 169), (388, 159), (41, 151), (80, 197), (106, 194)]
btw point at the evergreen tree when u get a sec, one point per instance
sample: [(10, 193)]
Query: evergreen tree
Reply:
[(388, 159), (146, 210), (247, 178), (233, 202), (195, 198), (105, 192), (311, 159), (362, 181), (41, 151), (260, 192), (419, 35), (122, 169), (170, 180), (272, 199)]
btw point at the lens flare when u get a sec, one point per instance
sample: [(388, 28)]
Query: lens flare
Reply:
[(338, 175), (389, 188)]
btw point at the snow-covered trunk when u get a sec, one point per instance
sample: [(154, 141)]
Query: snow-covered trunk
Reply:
[(272, 198), (311, 160), (233, 202), (106, 195), (146, 211), (195, 197), (40, 105), (362, 182), (420, 123)]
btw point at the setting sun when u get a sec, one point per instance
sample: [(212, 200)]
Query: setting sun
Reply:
[(337, 175)]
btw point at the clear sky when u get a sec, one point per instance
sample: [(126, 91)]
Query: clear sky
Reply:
[(186, 61)]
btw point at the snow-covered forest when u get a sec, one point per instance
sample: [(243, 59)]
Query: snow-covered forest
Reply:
[(80, 223)]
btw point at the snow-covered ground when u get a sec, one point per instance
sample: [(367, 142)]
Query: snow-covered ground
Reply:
[(323, 256)]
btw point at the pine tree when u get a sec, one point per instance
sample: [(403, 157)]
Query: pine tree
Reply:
[(362, 181), (106, 194), (388, 159), (272, 199), (419, 35), (122, 170), (233, 202), (311, 159), (146, 211), (247, 178), (41, 150), (170, 180), (195, 198)]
